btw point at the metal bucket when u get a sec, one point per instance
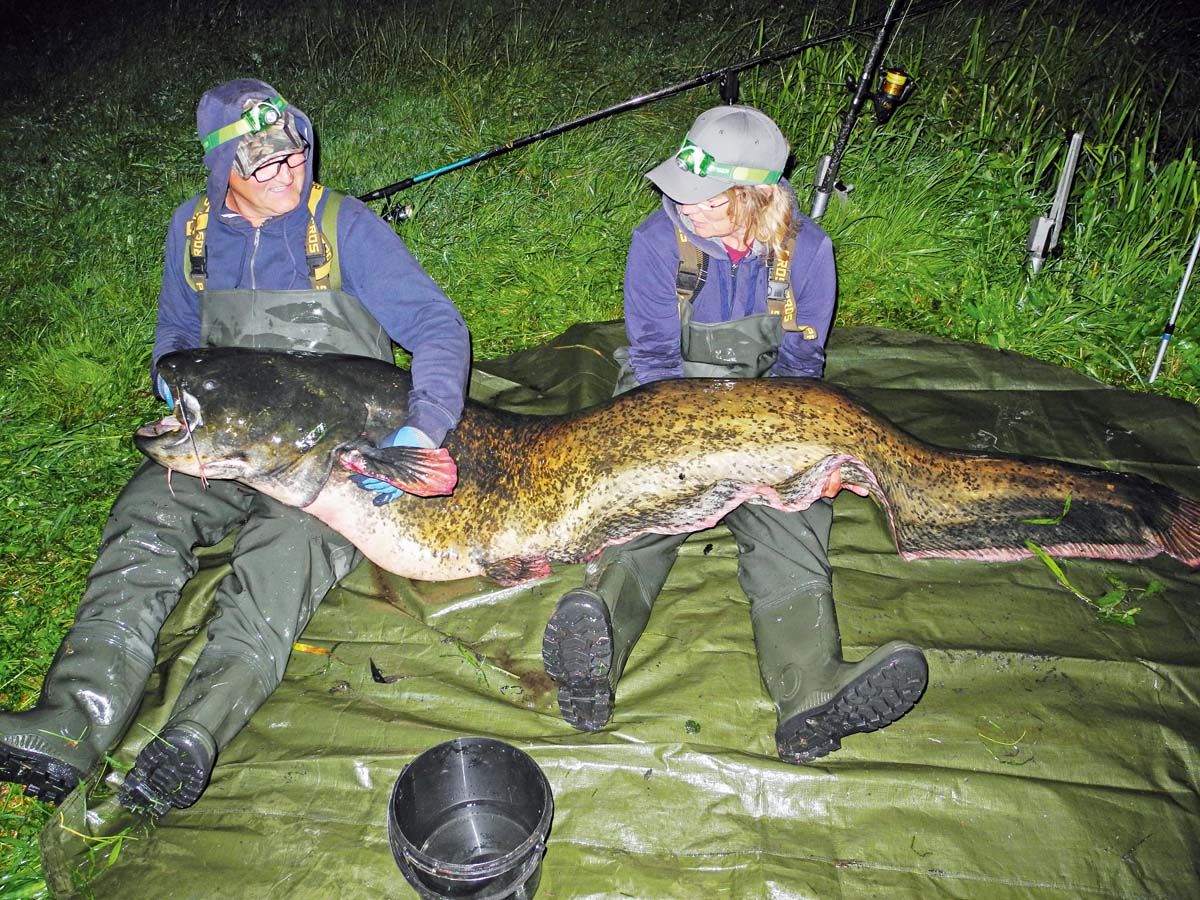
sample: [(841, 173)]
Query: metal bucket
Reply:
[(468, 820)]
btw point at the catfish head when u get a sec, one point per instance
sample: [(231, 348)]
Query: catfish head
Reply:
[(275, 421)]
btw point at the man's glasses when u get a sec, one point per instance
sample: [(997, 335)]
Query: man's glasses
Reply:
[(267, 171), (709, 206)]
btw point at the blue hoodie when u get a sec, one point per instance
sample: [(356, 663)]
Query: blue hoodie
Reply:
[(376, 268), (652, 307)]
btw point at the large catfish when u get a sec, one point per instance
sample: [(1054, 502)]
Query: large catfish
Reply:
[(670, 457)]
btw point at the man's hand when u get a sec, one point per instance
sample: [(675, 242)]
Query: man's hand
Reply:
[(403, 437)]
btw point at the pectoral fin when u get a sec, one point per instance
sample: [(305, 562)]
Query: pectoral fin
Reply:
[(414, 470)]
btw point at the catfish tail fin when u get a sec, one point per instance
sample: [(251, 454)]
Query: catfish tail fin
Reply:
[(967, 506), (1176, 519)]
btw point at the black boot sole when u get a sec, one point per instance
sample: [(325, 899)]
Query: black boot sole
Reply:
[(172, 771), (875, 699), (44, 777), (577, 654)]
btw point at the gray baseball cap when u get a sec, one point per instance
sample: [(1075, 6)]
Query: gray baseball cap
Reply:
[(726, 146)]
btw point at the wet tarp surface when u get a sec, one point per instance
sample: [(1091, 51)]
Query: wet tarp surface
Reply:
[(1054, 755)]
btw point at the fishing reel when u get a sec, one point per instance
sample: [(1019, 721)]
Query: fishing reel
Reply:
[(396, 212), (728, 83), (895, 87)]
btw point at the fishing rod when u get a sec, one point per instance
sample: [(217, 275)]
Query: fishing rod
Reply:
[(1170, 327), (894, 90), (727, 76)]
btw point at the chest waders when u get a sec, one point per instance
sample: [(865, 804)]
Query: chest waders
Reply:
[(742, 348), (322, 319), (282, 567), (284, 561), (783, 568)]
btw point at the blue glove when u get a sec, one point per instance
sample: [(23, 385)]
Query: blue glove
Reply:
[(164, 391), (402, 437)]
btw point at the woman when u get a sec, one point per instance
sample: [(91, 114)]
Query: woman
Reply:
[(730, 279)]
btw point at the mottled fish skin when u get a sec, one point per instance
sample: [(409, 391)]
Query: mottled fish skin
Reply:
[(670, 457)]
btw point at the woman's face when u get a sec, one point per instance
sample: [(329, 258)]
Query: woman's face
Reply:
[(710, 219)]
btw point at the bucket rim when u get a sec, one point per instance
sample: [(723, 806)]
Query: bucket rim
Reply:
[(534, 845)]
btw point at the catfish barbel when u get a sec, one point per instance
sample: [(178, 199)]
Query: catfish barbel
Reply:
[(670, 457)]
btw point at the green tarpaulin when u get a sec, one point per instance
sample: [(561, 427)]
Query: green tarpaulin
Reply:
[(1053, 755)]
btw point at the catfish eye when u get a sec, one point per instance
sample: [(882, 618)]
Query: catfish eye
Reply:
[(210, 385)]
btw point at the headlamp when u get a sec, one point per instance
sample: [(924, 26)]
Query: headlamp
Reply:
[(693, 158), (259, 117)]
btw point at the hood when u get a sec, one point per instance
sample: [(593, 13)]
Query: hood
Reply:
[(715, 247), (222, 105)]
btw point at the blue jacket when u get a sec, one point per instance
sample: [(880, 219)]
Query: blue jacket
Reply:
[(376, 268), (652, 307)]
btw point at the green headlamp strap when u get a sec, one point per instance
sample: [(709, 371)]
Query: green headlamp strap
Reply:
[(694, 159), (259, 117)]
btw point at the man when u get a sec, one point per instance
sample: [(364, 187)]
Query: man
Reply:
[(730, 279), (264, 258)]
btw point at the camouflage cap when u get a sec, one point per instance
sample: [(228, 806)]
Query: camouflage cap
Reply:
[(280, 140)]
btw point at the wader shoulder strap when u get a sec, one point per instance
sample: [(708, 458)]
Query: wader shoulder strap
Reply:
[(693, 269), (195, 256), (780, 299), (320, 244)]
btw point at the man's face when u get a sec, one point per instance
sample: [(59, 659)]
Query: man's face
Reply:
[(258, 200)]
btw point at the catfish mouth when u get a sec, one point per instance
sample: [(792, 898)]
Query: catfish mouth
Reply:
[(185, 418), (156, 440), (153, 438), (168, 425), (270, 457), (172, 442)]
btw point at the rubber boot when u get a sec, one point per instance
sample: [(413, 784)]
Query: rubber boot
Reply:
[(220, 695), (283, 564), (172, 771), (783, 567), (592, 630), (89, 695), (821, 698)]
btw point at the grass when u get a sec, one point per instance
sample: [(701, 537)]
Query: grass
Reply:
[(100, 148)]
